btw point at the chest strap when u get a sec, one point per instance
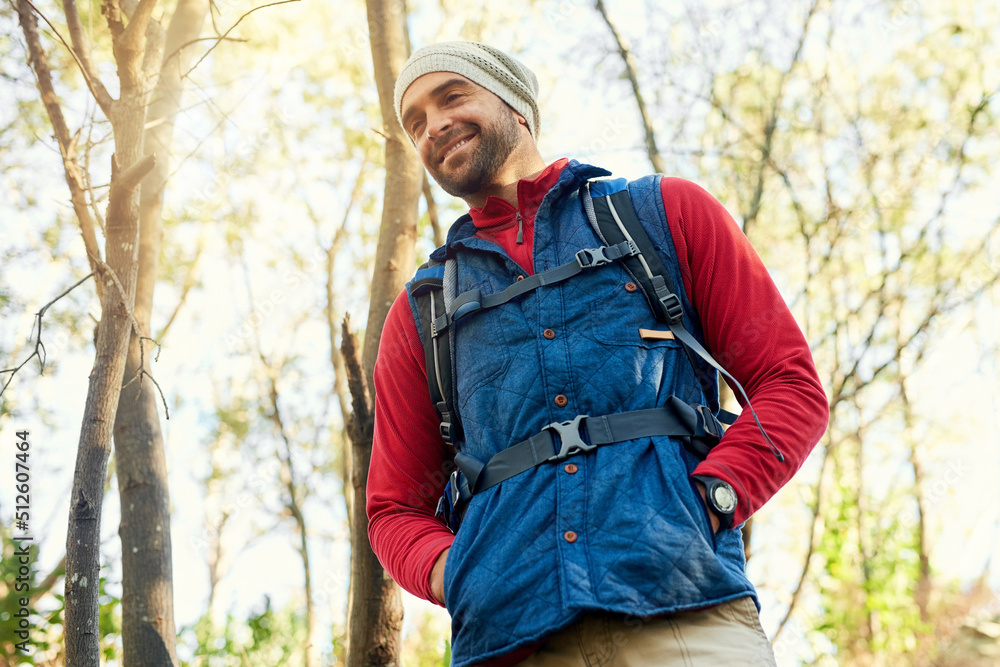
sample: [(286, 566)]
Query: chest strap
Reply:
[(560, 440), (694, 425), (473, 300)]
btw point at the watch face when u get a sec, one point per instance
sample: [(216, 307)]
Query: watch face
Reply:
[(724, 498)]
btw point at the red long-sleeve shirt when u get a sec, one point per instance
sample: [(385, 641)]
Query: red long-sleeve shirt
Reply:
[(746, 324)]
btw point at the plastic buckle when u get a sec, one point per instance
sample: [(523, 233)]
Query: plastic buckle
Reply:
[(569, 435), (673, 307), (589, 257)]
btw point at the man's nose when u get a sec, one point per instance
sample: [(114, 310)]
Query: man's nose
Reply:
[(438, 123)]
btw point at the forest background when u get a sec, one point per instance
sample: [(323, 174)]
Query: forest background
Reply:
[(856, 144)]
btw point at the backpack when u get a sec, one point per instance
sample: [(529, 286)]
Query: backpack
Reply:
[(611, 213)]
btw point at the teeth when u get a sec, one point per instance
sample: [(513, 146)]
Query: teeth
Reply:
[(456, 147)]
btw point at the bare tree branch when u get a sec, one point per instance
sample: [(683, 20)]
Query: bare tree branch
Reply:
[(772, 122), (132, 176), (67, 144), (630, 69), (224, 35), (81, 52), (96, 87), (39, 350), (813, 542), (189, 283)]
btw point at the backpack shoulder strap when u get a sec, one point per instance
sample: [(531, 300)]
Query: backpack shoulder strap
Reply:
[(613, 216), (428, 291)]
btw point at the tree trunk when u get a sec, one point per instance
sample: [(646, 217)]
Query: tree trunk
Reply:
[(395, 257), (114, 330), (375, 609), (148, 631), (116, 280)]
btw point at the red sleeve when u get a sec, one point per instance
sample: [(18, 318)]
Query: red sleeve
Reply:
[(406, 476), (753, 335)]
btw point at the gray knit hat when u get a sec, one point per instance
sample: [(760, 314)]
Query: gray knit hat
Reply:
[(494, 70)]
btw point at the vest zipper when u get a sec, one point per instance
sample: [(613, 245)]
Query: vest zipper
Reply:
[(520, 229)]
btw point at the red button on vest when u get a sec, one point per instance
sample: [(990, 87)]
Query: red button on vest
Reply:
[(569, 536), (630, 287), (570, 468), (561, 400), (549, 333)]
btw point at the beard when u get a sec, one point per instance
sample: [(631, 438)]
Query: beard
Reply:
[(496, 142)]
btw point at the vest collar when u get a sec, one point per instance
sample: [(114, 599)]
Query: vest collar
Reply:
[(464, 229)]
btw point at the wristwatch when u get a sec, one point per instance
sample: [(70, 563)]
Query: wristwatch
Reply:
[(721, 499)]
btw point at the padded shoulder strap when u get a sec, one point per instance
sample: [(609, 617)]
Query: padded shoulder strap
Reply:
[(427, 289), (614, 216)]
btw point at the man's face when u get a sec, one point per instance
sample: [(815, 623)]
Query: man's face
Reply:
[(463, 132)]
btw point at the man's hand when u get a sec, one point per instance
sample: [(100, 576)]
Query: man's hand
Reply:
[(711, 514), (437, 574)]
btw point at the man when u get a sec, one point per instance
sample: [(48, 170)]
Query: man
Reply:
[(614, 556)]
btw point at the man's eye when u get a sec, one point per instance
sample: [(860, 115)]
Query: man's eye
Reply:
[(451, 98), (415, 128)]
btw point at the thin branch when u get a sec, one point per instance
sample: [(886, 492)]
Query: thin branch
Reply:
[(189, 282), (67, 144), (772, 123), (97, 88), (81, 51), (654, 153), (222, 37), (39, 350), (131, 177), (810, 550), (138, 331)]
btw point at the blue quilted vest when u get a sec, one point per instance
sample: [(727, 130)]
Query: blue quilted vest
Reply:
[(625, 531)]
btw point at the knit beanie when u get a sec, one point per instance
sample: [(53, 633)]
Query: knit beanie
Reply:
[(504, 76)]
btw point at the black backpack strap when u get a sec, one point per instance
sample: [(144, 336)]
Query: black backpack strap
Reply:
[(615, 219), (427, 289), (473, 301), (693, 424)]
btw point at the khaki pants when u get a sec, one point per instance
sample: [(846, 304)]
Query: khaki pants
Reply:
[(727, 634)]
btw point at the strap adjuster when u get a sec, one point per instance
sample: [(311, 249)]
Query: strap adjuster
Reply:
[(675, 311), (446, 429), (569, 435)]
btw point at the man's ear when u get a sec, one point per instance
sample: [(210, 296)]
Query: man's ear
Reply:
[(521, 119)]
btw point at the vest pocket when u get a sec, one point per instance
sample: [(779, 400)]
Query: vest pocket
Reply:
[(625, 325)]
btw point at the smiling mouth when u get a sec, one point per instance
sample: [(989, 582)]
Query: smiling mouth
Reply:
[(455, 148)]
